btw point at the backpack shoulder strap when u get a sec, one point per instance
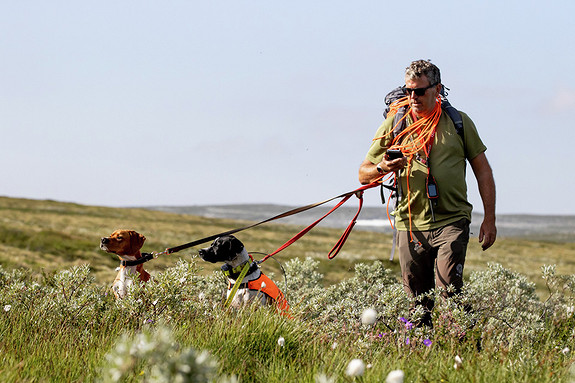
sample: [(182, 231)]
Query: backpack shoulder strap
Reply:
[(452, 112), (454, 115)]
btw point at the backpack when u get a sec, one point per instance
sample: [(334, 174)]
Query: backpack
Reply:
[(398, 93)]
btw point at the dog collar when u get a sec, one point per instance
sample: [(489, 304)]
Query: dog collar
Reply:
[(146, 257), (234, 272), (227, 270)]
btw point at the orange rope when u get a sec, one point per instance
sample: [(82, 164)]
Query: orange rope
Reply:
[(421, 131), (412, 139), (409, 198), (393, 109)]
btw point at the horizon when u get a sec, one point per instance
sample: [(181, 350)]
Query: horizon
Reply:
[(330, 204)]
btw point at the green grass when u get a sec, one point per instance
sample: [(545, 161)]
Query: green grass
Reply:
[(245, 343), (60, 327)]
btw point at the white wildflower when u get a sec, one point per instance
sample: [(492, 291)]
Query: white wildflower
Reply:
[(281, 341), (7, 308), (458, 362), (565, 351), (334, 345), (355, 368), (368, 316), (323, 378), (395, 376)]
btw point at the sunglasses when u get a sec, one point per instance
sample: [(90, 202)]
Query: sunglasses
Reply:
[(417, 91)]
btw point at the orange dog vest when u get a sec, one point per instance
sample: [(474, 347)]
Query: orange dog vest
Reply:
[(271, 290)]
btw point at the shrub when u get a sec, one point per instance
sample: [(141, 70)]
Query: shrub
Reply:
[(497, 309), (154, 355)]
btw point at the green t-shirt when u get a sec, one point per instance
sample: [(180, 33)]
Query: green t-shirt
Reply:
[(447, 159)]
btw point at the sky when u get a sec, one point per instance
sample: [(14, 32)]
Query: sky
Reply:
[(182, 102)]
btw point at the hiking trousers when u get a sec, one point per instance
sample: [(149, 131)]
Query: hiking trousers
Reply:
[(437, 261)]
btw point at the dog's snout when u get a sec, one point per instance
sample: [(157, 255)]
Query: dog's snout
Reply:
[(207, 254), (105, 240)]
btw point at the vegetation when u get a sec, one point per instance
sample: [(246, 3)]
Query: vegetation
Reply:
[(350, 319)]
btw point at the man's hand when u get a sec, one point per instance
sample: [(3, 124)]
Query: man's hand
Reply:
[(368, 171), (487, 233), (393, 165)]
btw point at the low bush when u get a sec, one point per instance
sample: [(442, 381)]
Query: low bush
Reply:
[(64, 327)]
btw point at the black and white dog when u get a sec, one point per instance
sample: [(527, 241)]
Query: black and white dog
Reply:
[(255, 285)]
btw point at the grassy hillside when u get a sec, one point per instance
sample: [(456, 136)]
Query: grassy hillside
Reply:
[(47, 236), (58, 324)]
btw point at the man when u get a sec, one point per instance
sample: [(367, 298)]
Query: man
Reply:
[(432, 215)]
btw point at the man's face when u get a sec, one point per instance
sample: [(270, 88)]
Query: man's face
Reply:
[(422, 105)]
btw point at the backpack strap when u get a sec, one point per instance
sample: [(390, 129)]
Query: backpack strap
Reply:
[(454, 115)]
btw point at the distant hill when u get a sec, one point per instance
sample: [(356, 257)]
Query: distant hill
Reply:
[(534, 227)]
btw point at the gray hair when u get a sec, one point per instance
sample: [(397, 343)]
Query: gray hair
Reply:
[(423, 68)]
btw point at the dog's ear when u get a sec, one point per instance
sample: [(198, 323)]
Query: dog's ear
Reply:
[(236, 246), (136, 241)]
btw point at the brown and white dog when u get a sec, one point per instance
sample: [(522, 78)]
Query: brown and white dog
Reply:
[(255, 285), (126, 244)]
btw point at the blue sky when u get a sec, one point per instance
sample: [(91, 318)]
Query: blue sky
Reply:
[(130, 103)]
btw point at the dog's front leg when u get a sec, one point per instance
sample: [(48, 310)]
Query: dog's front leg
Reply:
[(121, 283), (241, 298)]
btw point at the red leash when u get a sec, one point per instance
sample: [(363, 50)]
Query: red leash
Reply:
[(346, 196), (338, 246)]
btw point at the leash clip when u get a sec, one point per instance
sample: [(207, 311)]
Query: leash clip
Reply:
[(156, 255)]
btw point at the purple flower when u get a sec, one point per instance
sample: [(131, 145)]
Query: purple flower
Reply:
[(407, 341), (408, 324), (427, 342)]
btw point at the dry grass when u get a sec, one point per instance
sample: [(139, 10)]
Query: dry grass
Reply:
[(46, 236)]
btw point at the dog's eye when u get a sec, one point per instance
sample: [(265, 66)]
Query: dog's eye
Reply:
[(120, 238)]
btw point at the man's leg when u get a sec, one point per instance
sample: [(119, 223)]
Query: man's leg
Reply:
[(417, 268), (451, 242)]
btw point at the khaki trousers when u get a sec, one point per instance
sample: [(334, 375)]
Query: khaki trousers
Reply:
[(436, 258)]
